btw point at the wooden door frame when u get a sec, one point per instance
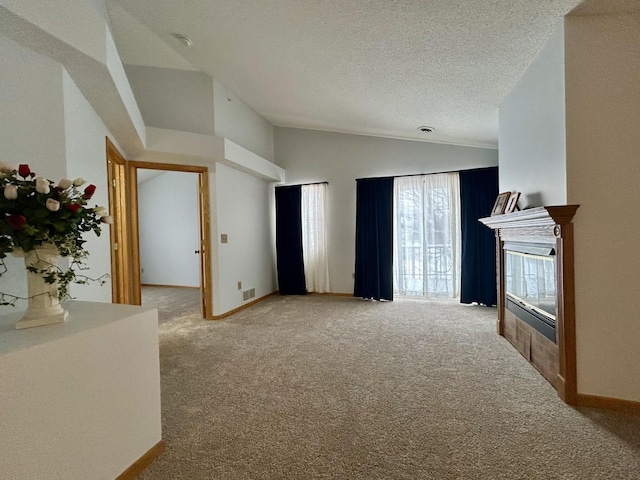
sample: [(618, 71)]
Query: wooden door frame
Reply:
[(203, 220), (120, 256)]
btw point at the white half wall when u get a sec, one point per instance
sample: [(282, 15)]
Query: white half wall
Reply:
[(80, 399), (603, 114), (169, 230), (314, 156), (532, 130)]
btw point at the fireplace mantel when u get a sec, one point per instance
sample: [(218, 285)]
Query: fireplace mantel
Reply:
[(533, 217), (550, 225)]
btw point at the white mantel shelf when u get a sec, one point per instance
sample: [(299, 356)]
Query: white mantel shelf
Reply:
[(533, 217), (80, 399)]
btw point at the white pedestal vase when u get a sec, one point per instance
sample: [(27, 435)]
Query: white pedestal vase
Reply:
[(44, 306)]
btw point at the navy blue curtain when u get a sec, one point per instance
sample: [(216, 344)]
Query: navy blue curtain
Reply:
[(291, 280), (374, 239), (478, 192)]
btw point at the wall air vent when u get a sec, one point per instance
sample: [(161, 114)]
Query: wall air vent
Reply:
[(248, 294)]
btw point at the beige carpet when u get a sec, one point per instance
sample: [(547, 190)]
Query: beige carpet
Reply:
[(323, 387)]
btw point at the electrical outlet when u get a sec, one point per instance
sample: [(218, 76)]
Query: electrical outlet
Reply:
[(239, 285), (142, 270), (223, 238)]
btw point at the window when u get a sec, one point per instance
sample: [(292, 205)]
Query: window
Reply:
[(427, 235), (314, 238)]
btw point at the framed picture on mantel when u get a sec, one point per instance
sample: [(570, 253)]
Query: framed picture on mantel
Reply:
[(501, 204), (512, 204)]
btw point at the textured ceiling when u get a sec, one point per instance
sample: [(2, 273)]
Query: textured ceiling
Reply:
[(607, 7), (374, 67)]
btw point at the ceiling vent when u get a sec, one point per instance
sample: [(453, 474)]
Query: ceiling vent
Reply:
[(426, 130)]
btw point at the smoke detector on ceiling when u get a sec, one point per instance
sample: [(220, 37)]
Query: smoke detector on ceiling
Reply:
[(426, 130), (186, 41)]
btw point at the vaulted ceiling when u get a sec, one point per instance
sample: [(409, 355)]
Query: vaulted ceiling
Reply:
[(373, 67)]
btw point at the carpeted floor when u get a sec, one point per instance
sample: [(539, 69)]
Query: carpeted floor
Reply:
[(322, 387)]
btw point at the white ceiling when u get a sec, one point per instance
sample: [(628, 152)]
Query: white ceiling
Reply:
[(373, 67)]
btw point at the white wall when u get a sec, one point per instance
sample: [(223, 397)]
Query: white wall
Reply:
[(236, 121), (85, 141), (48, 124), (243, 212), (603, 115), (31, 129), (169, 230), (173, 99), (87, 34), (532, 130), (32, 104), (315, 156)]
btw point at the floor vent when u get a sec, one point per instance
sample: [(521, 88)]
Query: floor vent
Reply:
[(248, 294)]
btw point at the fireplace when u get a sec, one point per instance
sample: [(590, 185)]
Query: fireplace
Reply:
[(530, 285), (536, 313)]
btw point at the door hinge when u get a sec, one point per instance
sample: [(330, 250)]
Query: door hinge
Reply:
[(113, 183), (116, 246)]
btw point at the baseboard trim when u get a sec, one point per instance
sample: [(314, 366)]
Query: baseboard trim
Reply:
[(241, 307), (166, 286), (595, 401), (277, 292), (143, 462), (332, 294)]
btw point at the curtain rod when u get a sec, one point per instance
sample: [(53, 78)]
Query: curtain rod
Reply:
[(432, 173), (302, 184)]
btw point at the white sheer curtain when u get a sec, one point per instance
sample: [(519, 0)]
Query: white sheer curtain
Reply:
[(427, 240), (314, 237)]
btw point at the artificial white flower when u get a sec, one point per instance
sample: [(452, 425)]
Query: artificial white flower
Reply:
[(64, 183), (52, 205), (100, 211), (4, 168), (10, 192), (42, 185), (78, 182), (107, 219)]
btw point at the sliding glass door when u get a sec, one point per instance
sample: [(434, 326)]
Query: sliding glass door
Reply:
[(427, 235)]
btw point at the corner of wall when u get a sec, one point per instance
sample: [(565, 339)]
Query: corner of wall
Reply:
[(532, 130), (236, 120)]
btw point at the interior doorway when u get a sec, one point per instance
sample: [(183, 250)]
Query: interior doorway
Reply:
[(120, 267), (192, 248)]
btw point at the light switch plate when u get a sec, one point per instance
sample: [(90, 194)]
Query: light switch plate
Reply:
[(223, 238)]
